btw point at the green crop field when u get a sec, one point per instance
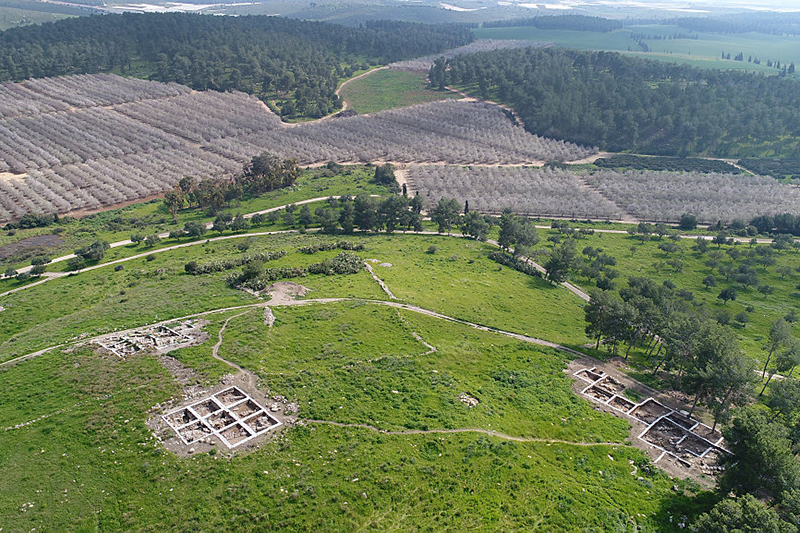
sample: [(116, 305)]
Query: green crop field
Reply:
[(12, 17), (388, 89), (705, 51)]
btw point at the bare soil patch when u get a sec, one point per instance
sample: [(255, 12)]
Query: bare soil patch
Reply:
[(29, 243)]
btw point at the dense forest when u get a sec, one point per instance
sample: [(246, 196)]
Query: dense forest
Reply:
[(768, 23), (621, 103), (296, 63), (560, 22), (674, 164)]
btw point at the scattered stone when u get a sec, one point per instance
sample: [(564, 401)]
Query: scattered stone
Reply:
[(386, 265), (468, 400), (269, 317)]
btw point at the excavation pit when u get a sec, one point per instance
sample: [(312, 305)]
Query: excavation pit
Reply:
[(683, 421), (232, 416), (245, 409), (599, 393), (181, 418), (650, 411), (230, 396), (589, 375), (220, 420), (679, 444), (261, 422), (622, 404), (206, 407), (705, 432), (612, 385), (235, 434), (194, 432)]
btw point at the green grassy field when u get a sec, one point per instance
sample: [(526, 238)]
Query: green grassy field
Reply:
[(12, 17), (388, 89), (704, 52), (146, 291), (106, 471), (635, 258)]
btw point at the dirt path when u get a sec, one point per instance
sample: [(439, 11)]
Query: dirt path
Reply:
[(489, 432), (280, 299), (380, 281)]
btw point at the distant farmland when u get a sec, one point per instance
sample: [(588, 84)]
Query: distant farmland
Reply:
[(92, 141)]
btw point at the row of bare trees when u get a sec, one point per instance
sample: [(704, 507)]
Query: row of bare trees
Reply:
[(447, 131), (424, 64), (665, 196), (203, 116), (532, 191)]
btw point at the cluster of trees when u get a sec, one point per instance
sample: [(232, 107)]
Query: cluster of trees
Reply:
[(623, 103), (764, 468), (324, 247), (762, 22), (560, 22), (298, 61), (195, 269), (703, 357), (366, 213), (39, 266), (711, 197), (533, 191), (264, 173), (672, 164), (783, 223), (783, 167), (256, 277)]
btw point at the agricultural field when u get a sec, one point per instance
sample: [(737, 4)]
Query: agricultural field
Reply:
[(607, 194), (424, 64), (547, 192), (703, 50), (389, 89), (148, 218), (711, 197), (11, 17), (92, 141)]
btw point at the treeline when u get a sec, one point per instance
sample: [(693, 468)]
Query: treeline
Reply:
[(769, 23), (264, 173), (674, 164), (560, 22), (691, 349), (783, 167), (255, 277), (621, 103), (296, 62)]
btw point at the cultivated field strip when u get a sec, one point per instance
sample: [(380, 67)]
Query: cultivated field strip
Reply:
[(88, 142), (447, 131), (607, 194), (37, 96), (424, 64), (525, 190), (664, 196)]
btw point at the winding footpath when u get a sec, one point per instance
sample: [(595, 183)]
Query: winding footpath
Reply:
[(488, 432)]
